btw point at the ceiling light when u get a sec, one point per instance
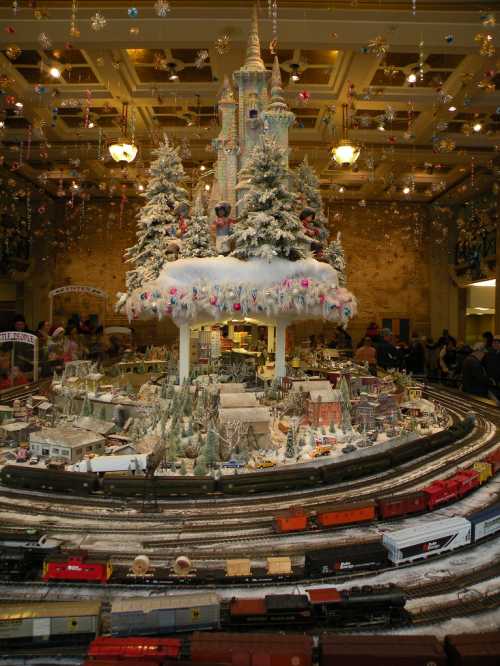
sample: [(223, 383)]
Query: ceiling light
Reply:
[(406, 190), (123, 150), (202, 167), (381, 128), (207, 187), (19, 105), (346, 152), (74, 185), (484, 283), (411, 78), (477, 127), (55, 72), (91, 125), (2, 124), (140, 187), (295, 75), (341, 189), (451, 109), (173, 76)]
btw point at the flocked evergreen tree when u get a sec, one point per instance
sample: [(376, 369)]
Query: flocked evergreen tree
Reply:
[(197, 241), (269, 226), (309, 195), (158, 218), (334, 254)]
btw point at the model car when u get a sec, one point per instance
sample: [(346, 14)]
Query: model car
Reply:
[(233, 464), (34, 460), (264, 464), (320, 451)]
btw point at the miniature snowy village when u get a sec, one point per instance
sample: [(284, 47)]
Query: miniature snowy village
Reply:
[(196, 408)]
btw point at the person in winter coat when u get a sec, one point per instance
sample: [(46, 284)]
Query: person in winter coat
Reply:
[(387, 354), (474, 378)]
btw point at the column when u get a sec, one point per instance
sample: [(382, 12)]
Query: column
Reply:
[(280, 361), (184, 351), (270, 339), (497, 288)]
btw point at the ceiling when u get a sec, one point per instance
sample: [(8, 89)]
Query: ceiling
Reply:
[(354, 51)]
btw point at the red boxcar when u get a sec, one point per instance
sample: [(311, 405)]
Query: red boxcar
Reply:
[(78, 567), (345, 514), (402, 505), (149, 651), (361, 650), (467, 480), (255, 649), (494, 460), (441, 492), (294, 520)]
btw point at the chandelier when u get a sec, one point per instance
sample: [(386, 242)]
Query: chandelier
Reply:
[(346, 152), (124, 149)]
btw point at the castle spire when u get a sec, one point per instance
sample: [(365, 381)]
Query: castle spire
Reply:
[(277, 98), (253, 61), (227, 92)]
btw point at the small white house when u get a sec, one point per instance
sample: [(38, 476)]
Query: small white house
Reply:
[(71, 444)]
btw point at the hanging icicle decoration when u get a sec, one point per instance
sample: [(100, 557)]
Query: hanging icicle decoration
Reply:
[(414, 7), (99, 144), (421, 59), (73, 29), (273, 44)]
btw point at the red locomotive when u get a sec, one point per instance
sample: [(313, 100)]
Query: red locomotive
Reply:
[(77, 567), (431, 497)]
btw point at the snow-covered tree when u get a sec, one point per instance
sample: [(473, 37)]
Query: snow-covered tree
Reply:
[(86, 406), (290, 444), (158, 219), (306, 184), (334, 255), (268, 226), (197, 241)]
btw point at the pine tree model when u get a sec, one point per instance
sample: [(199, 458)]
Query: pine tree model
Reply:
[(269, 226), (158, 219), (197, 241), (290, 445), (309, 196), (334, 254)]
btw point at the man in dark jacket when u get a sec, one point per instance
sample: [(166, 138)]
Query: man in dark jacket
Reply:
[(387, 354), (474, 377), (491, 364)]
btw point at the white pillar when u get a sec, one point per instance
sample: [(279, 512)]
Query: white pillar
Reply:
[(270, 339), (184, 351), (280, 362)]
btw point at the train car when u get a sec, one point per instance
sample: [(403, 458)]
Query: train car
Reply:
[(467, 480), (484, 471), (77, 567), (263, 482), (354, 557), (400, 650), (406, 504), (345, 514), (133, 650), (34, 478), (164, 615), (46, 623), (414, 543), (485, 522), (348, 470), (441, 492), (359, 606), (274, 609), (473, 650), (164, 486), (293, 520), (494, 460), (246, 648)]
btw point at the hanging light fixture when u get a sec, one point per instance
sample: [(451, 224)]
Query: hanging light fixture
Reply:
[(295, 75), (346, 152), (123, 150)]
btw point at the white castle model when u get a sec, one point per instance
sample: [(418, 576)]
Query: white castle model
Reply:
[(257, 115), (197, 291)]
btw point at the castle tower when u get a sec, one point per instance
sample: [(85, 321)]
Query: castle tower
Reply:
[(252, 81), (226, 147), (277, 117)]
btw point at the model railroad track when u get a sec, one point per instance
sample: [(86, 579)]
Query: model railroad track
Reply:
[(436, 587), (468, 605)]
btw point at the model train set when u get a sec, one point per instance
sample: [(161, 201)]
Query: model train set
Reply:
[(291, 478)]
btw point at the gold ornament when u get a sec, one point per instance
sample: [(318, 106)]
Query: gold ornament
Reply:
[(378, 46), (13, 52), (223, 44)]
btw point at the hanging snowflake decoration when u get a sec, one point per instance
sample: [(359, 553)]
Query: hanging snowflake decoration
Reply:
[(133, 12), (444, 145), (444, 97), (97, 22), (378, 46), (162, 8), (44, 41), (488, 20), (160, 62), (389, 114), (223, 44), (390, 71), (485, 41), (13, 52), (201, 58)]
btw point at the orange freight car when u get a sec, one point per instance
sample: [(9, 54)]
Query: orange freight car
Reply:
[(294, 520), (345, 514)]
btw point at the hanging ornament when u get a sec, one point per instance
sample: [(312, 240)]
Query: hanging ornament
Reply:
[(97, 22), (486, 46), (73, 30), (134, 31), (133, 12), (449, 39), (304, 96), (272, 9), (378, 46), (15, 6), (487, 85), (201, 58), (444, 146), (488, 20), (414, 7), (162, 8), (223, 44), (13, 52), (44, 41), (10, 30), (389, 114)]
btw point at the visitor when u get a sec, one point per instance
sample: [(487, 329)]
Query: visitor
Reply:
[(415, 358), (20, 325), (488, 340), (387, 354), (55, 347), (474, 378), (447, 357), (367, 354), (491, 364), (71, 348)]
